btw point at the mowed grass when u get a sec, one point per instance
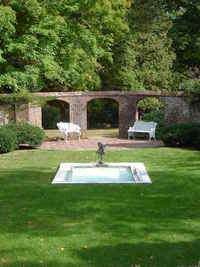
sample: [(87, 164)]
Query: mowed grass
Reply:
[(154, 225)]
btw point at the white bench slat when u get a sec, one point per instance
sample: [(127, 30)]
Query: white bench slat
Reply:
[(143, 127)]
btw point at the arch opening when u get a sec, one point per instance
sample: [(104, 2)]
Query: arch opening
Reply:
[(53, 112), (103, 113), (151, 109)]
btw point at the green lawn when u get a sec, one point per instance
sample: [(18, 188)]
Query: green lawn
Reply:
[(154, 225)]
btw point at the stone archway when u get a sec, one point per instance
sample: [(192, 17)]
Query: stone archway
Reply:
[(102, 113), (53, 112), (126, 103), (177, 107)]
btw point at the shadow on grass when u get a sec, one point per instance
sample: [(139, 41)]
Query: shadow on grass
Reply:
[(154, 225), (145, 144), (30, 204), (160, 254), (39, 263), (143, 254)]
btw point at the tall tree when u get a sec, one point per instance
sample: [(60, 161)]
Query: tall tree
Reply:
[(185, 34), (99, 44), (52, 44), (144, 58)]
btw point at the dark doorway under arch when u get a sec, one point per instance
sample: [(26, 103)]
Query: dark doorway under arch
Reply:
[(102, 113), (53, 112)]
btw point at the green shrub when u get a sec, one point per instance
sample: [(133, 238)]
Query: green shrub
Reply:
[(156, 116), (8, 140), (27, 134), (182, 135)]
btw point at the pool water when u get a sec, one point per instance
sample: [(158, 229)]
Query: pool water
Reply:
[(100, 175)]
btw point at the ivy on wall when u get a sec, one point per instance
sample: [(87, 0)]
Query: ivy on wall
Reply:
[(23, 98)]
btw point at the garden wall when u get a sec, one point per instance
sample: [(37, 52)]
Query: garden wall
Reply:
[(21, 112), (7, 114), (177, 108)]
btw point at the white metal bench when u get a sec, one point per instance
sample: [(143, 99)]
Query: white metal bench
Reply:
[(143, 127), (67, 128)]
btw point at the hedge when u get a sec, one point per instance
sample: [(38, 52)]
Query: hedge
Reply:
[(27, 134), (14, 135), (8, 140), (182, 135)]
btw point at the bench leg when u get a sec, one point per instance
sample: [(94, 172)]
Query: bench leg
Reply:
[(67, 137), (131, 135), (149, 137)]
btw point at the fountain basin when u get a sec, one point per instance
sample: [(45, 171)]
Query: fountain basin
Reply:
[(111, 173)]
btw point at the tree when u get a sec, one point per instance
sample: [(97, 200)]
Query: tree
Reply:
[(144, 58), (185, 34), (47, 44)]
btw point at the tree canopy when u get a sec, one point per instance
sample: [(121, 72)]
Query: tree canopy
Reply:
[(69, 45)]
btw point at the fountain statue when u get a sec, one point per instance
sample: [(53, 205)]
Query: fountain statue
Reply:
[(100, 151), (116, 172)]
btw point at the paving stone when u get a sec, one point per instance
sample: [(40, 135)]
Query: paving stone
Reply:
[(91, 144)]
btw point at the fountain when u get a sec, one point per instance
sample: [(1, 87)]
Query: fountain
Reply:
[(101, 173), (100, 152)]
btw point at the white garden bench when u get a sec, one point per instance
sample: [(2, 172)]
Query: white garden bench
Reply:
[(68, 127), (143, 127)]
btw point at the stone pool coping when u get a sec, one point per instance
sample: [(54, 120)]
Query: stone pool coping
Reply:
[(140, 175)]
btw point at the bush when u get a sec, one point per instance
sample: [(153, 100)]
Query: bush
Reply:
[(8, 140), (27, 134), (156, 116), (182, 135)]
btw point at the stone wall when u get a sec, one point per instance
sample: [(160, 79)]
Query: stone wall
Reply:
[(177, 108), (7, 114), (182, 109), (127, 115), (35, 115), (194, 110), (21, 112)]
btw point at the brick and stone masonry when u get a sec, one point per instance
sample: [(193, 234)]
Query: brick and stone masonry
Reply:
[(178, 108)]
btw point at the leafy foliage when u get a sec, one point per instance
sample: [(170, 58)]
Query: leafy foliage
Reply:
[(182, 135), (149, 104), (22, 97), (102, 44), (152, 109), (26, 134), (158, 117), (185, 33), (48, 44), (191, 83), (7, 140), (144, 59)]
